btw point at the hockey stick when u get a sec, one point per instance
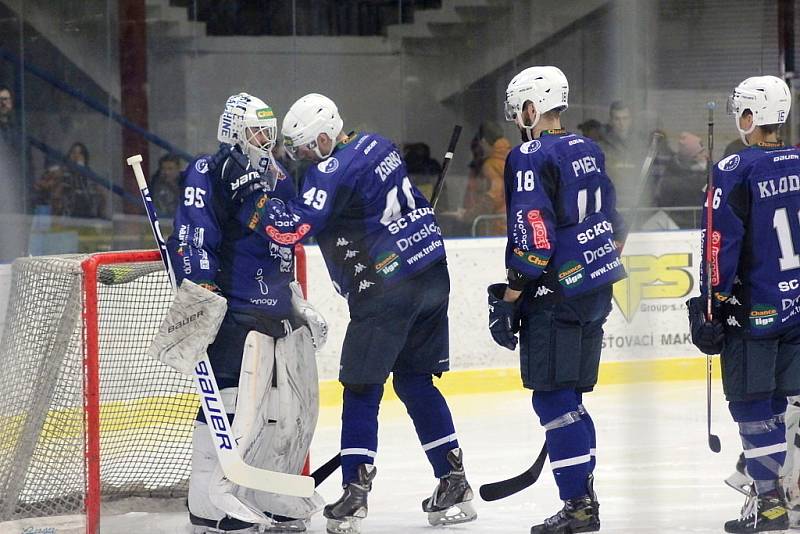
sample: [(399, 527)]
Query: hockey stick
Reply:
[(451, 148), (713, 440), (510, 486), (230, 460), (644, 174), (325, 470)]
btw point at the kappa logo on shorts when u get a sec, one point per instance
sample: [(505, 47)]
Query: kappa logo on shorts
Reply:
[(328, 166), (530, 147), (729, 163)]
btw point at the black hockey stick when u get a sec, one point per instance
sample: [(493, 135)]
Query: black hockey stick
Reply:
[(451, 148), (713, 440), (504, 488), (325, 470)]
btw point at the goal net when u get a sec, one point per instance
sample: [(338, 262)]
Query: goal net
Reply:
[(85, 413)]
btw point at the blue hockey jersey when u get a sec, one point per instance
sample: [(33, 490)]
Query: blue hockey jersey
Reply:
[(755, 269), (563, 225), (210, 246), (374, 227)]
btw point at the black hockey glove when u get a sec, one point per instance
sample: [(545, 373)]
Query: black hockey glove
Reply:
[(503, 319), (708, 336), (240, 179)]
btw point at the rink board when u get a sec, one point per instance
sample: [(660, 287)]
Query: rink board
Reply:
[(646, 336)]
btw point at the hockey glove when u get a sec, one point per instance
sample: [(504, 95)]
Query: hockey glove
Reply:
[(237, 173), (502, 318), (708, 336)]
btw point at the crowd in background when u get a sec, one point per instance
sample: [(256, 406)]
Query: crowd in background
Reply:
[(668, 197)]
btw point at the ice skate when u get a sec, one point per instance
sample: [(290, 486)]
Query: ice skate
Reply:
[(226, 525), (739, 479), (581, 514), (345, 515), (449, 504), (761, 513)]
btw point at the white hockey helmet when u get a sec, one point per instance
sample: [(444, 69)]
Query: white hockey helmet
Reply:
[(546, 87), (310, 116), (767, 98), (250, 123)]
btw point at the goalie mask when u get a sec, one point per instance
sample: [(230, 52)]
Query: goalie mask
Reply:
[(250, 124), (546, 87), (767, 98), (310, 116)]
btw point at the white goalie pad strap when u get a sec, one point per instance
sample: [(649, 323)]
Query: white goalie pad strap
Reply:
[(278, 415), (790, 472), (189, 328), (313, 319)]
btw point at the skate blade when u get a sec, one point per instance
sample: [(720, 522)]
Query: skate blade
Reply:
[(298, 525), (740, 482), (197, 529), (349, 525), (458, 513)]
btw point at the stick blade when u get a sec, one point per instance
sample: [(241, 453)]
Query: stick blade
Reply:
[(504, 488), (714, 443)]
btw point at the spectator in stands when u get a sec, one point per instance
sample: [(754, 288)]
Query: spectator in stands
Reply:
[(166, 189), (48, 191), (684, 179), (591, 128), (622, 158), (82, 197), (485, 193), (10, 133), (422, 168)]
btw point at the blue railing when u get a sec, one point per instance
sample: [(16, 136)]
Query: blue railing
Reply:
[(93, 104)]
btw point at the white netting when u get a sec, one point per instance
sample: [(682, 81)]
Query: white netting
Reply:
[(147, 409)]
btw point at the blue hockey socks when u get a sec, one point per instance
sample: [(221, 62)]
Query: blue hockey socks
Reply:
[(359, 429), (568, 440), (431, 416), (587, 420), (763, 439)]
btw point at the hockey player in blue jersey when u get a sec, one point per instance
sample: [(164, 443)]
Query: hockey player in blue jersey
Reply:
[(385, 254), (755, 274), (562, 257), (253, 349)]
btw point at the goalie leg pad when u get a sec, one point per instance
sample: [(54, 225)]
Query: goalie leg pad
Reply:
[(276, 414)]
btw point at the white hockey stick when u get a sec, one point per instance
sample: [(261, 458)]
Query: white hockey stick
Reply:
[(230, 460)]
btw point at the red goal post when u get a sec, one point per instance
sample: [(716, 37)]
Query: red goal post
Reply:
[(87, 415)]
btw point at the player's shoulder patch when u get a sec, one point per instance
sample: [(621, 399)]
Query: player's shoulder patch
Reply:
[(201, 165), (530, 147), (328, 166), (729, 163)]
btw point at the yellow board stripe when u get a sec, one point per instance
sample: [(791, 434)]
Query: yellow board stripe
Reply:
[(165, 411), (465, 382)]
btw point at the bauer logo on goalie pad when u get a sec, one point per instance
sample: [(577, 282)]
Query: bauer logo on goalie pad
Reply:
[(184, 322)]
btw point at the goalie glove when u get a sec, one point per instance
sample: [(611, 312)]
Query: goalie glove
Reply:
[(189, 328), (313, 319)]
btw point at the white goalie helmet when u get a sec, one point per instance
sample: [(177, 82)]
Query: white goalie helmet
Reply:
[(249, 123), (310, 116), (768, 99), (546, 87)]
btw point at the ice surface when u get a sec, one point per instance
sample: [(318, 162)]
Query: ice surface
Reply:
[(655, 473)]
